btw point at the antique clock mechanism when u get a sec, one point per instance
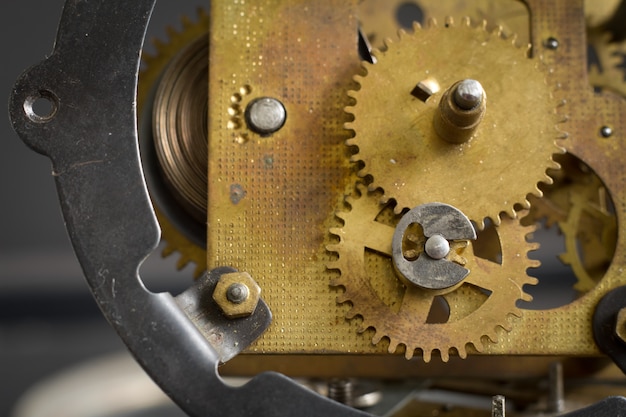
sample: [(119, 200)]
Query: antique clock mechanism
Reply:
[(367, 189)]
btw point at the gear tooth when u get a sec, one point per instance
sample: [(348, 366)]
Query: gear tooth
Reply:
[(466, 21), (526, 297), (378, 336), (158, 44), (462, 352), (513, 39), (343, 298), (498, 31), (361, 188), (167, 251), (431, 22), (409, 352), (393, 345), (483, 24), (416, 26), (170, 31), (449, 21), (529, 51), (387, 42), (352, 142), (445, 355), (426, 355), (401, 34), (359, 79), (182, 262), (187, 22)]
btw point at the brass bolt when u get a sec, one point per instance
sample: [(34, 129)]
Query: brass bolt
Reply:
[(237, 294), (460, 111), (620, 325)]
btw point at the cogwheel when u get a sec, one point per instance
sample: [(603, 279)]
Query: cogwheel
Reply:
[(408, 315), (153, 67), (398, 107), (578, 203), (590, 233), (382, 19), (606, 71)]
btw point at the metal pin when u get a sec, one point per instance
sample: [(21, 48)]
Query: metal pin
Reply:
[(437, 247), (556, 403), (468, 94)]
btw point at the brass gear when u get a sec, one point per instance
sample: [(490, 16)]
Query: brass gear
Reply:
[(579, 204), (477, 306), (609, 73), (590, 232), (380, 19), (398, 146), (153, 67)]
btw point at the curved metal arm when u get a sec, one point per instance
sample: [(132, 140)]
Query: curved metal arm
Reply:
[(90, 135)]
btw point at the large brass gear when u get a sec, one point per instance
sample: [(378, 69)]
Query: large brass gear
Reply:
[(477, 306), (382, 19), (400, 149), (153, 66)]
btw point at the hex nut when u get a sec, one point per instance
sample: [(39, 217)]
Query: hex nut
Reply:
[(620, 325), (244, 308)]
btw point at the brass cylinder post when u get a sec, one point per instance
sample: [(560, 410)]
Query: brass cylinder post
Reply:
[(460, 111)]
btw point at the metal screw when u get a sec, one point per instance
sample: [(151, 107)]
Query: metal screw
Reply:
[(341, 390), (237, 293), (468, 94), (498, 406), (437, 247), (606, 131), (265, 115), (552, 43)]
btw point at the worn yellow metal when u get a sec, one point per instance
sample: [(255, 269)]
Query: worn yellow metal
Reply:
[(272, 199), (248, 298)]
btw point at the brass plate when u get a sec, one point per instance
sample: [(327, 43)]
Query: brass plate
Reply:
[(272, 199)]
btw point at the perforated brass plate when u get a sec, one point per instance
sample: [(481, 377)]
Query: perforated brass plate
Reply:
[(272, 199)]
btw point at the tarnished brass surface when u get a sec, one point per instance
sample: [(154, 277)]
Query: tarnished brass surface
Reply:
[(404, 314), (396, 137), (272, 199)]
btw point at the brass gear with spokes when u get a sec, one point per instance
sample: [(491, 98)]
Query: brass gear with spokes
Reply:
[(406, 314)]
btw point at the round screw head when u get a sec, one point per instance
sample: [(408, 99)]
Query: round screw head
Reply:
[(552, 43), (237, 293), (265, 115), (469, 94), (437, 247), (606, 131)]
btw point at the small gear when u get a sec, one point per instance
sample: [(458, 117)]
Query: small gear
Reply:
[(606, 69), (578, 203), (408, 314), (395, 125), (590, 232), (153, 66)]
